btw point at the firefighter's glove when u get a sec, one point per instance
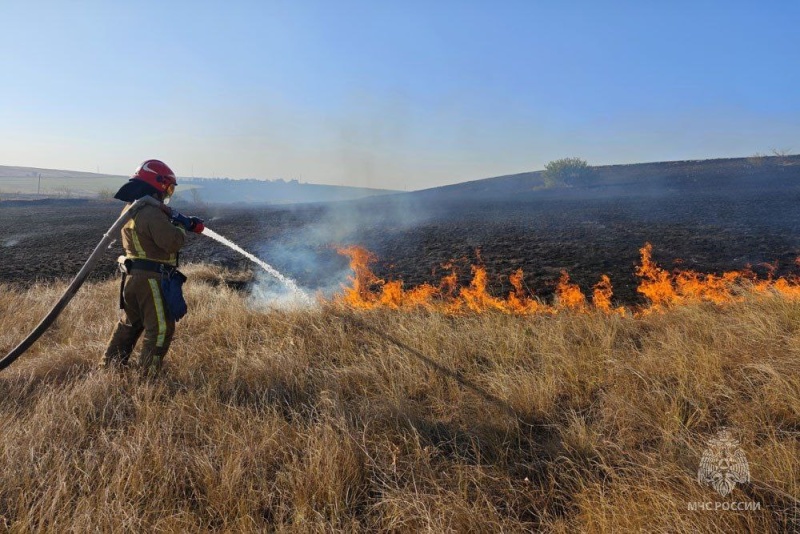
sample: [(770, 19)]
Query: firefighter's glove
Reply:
[(192, 224), (197, 225)]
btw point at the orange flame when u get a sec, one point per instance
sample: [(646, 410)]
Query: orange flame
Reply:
[(475, 297), (569, 295), (660, 288), (601, 297), (518, 301)]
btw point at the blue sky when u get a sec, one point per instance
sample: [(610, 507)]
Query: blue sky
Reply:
[(405, 94)]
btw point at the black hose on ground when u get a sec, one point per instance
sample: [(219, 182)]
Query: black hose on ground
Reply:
[(77, 282)]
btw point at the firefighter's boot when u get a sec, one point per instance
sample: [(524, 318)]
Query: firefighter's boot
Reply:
[(151, 359), (121, 344)]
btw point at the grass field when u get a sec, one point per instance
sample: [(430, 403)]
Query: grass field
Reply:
[(311, 421)]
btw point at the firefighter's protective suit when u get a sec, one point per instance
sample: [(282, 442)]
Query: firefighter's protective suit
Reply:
[(148, 236)]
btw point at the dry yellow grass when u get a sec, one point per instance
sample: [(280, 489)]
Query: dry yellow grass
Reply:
[(303, 421)]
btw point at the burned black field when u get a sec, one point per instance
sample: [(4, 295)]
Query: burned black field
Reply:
[(586, 233)]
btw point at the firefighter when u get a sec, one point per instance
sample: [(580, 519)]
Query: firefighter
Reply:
[(151, 239)]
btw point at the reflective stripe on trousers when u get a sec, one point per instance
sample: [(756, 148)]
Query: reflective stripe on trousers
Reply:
[(158, 302)]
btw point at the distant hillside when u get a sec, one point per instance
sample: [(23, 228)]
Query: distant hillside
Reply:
[(32, 182), (225, 191), (7, 172), (731, 174), (762, 172)]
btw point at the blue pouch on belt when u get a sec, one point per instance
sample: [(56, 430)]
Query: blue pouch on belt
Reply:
[(172, 290)]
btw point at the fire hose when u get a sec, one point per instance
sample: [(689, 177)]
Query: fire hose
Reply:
[(77, 282), (108, 238)]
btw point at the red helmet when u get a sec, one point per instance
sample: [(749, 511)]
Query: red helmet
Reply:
[(157, 174)]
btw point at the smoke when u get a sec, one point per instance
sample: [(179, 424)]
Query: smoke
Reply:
[(308, 253), (271, 293), (284, 290), (370, 142), (13, 240)]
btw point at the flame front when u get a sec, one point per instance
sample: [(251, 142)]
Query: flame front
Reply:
[(361, 293), (661, 290)]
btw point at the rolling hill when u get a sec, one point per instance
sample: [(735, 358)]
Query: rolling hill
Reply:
[(752, 173), (36, 183)]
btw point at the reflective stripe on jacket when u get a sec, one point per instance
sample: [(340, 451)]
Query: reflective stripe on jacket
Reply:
[(149, 235)]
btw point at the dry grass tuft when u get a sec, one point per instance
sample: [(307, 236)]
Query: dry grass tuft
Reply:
[(304, 421)]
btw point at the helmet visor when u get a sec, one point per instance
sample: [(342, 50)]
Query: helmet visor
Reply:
[(169, 191)]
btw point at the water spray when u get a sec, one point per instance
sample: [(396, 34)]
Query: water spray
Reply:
[(104, 243), (285, 280)]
